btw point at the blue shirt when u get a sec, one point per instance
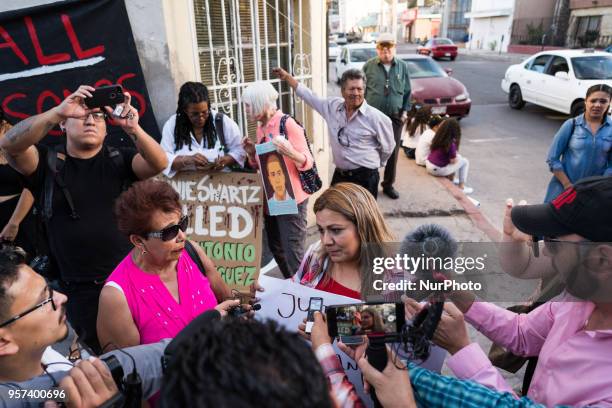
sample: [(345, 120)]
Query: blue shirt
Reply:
[(579, 153)]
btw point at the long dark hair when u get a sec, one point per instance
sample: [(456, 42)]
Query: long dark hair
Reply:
[(421, 118), (448, 132), (192, 92), (600, 88)]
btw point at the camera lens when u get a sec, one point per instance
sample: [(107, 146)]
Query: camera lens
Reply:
[(113, 95)]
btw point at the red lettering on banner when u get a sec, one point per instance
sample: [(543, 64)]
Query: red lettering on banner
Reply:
[(9, 43), (139, 97), (9, 111), (76, 45), (43, 59), (44, 95)]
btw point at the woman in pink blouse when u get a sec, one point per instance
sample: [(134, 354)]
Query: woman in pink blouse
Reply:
[(285, 234), (158, 288)]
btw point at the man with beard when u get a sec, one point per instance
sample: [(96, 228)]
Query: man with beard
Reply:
[(572, 333)]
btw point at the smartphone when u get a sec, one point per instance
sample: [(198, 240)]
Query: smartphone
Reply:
[(350, 323), (315, 305), (109, 95)]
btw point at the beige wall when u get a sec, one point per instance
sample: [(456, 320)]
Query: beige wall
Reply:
[(530, 9), (606, 20), (575, 4)]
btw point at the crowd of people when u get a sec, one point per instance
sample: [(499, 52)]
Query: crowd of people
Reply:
[(123, 274)]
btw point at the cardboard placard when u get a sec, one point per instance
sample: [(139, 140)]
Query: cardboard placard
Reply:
[(226, 218)]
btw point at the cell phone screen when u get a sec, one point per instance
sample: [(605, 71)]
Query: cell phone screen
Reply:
[(315, 304), (351, 322)]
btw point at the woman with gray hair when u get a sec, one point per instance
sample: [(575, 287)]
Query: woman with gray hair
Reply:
[(285, 234)]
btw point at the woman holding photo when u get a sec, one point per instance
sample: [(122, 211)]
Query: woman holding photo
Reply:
[(285, 234)]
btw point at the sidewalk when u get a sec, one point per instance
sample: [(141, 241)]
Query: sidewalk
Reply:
[(494, 55)]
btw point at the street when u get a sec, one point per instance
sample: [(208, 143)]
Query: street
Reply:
[(506, 148)]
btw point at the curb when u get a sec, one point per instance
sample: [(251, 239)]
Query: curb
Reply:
[(476, 216)]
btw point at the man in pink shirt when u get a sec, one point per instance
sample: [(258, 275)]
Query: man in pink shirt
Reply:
[(572, 334)]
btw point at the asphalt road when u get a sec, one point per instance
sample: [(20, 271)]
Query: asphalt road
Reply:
[(506, 148)]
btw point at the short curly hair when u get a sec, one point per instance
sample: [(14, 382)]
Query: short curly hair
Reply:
[(134, 208), (244, 363)]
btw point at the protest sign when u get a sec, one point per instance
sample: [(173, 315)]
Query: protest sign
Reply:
[(47, 51), (286, 302), (276, 181), (225, 220)]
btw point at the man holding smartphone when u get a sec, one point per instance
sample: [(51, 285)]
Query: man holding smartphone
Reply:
[(75, 185)]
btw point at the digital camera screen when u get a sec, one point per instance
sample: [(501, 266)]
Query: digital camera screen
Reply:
[(365, 319)]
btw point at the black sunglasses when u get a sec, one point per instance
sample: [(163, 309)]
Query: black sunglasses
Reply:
[(33, 308), (172, 231)]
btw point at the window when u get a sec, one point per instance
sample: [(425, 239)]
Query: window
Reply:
[(442, 41), (539, 63), (424, 68), (558, 64), (587, 27), (593, 67), (240, 41), (362, 54)]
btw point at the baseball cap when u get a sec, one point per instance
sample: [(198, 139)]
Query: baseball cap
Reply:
[(385, 38), (584, 209)]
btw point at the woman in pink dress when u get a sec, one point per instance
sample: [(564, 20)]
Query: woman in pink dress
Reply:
[(158, 288)]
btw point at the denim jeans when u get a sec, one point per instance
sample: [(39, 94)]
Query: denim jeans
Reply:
[(286, 238), (461, 166)]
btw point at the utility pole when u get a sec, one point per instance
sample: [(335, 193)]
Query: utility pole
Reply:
[(445, 18)]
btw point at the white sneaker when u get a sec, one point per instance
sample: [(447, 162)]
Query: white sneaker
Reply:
[(468, 190), (455, 181)]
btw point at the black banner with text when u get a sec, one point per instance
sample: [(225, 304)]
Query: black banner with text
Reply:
[(48, 51)]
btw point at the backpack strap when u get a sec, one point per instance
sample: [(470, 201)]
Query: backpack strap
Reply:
[(281, 128), (56, 158), (193, 254), (219, 131), (119, 163)]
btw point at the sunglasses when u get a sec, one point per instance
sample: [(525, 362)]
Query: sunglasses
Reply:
[(172, 231), (33, 308)]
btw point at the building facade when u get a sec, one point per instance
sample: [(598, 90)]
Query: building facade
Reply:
[(590, 24), (227, 45), (490, 24), (458, 23)]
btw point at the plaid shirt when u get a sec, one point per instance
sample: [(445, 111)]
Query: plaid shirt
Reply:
[(430, 389)]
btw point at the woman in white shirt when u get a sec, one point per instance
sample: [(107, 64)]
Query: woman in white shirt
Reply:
[(192, 138), (413, 130), (424, 144)]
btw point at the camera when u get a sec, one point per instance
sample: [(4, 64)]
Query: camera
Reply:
[(379, 321)]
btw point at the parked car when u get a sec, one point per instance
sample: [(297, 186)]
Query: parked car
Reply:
[(557, 80), (371, 37), (433, 86), (439, 48), (333, 51), (353, 56), (338, 38)]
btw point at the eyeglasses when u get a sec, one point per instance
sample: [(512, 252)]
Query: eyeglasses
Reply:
[(553, 245), (97, 116), (343, 139), (196, 115), (172, 231), (33, 308)]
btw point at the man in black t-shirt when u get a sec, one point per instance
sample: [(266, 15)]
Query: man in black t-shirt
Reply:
[(83, 237)]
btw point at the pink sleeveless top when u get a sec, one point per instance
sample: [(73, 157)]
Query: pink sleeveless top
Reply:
[(156, 313)]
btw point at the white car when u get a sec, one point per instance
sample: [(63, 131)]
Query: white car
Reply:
[(333, 51), (353, 56), (557, 80)]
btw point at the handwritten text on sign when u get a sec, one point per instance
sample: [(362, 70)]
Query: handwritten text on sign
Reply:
[(226, 220)]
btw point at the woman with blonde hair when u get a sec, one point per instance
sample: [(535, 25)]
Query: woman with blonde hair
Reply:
[(285, 234), (352, 229)]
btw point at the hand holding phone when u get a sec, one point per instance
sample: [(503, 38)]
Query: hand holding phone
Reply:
[(109, 95), (315, 305)]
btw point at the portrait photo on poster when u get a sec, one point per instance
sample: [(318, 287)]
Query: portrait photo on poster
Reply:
[(276, 181)]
